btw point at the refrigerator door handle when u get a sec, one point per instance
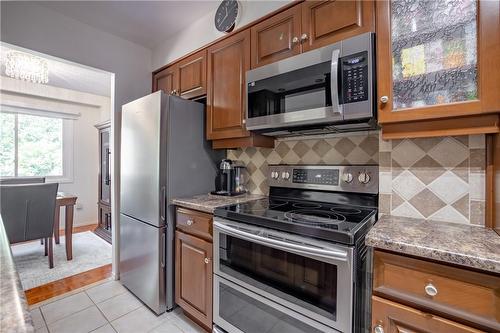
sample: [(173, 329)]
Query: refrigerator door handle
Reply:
[(162, 254), (163, 203)]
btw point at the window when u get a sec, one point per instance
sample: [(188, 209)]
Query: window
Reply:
[(34, 146)]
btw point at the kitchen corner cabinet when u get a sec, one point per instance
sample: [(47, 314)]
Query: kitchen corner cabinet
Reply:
[(187, 78), (104, 178), (193, 265), (437, 67), (307, 26)]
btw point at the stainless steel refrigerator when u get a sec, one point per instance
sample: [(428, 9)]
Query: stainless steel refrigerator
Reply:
[(163, 155)]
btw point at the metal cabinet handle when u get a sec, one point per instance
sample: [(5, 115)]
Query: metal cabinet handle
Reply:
[(189, 222), (304, 37), (295, 40), (207, 260), (384, 99), (378, 329), (430, 289)]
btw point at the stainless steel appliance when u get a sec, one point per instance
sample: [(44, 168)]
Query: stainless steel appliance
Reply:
[(231, 179), (163, 155), (330, 89), (296, 262)]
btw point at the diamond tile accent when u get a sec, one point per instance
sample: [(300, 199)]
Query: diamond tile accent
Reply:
[(449, 153), (369, 145), (427, 203), (426, 144), (449, 214), (449, 187), (321, 147), (407, 185), (345, 146), (407, 153), (282, 149), (427, 169), (396, 200), (407, 210), (300, 149), (462, 206)]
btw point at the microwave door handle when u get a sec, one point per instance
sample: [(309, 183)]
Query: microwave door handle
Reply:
[(282, 245), (334, 76)]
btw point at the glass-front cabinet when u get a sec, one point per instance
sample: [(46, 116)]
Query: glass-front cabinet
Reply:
[(437, 59)]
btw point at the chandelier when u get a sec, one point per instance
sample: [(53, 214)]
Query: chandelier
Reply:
[(26, 67)]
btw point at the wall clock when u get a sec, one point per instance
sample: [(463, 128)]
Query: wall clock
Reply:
[(225, 17)]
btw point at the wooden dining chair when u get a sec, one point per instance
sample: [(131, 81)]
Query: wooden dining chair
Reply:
[(28, 213)]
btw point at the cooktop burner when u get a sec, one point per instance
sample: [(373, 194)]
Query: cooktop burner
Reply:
[(317, 219)]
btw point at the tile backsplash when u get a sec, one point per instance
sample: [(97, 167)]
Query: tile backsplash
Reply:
[(439, 179), (352, 149), (434, 178)]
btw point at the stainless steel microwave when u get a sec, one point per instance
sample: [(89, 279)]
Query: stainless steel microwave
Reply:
[(330, 89)]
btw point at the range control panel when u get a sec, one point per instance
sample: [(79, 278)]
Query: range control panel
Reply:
[(355, 77), (345, 178)]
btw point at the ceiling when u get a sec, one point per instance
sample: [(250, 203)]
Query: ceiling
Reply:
[(147, 23), (68, 75)]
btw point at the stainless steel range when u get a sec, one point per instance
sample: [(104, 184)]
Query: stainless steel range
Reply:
[(296, 262)]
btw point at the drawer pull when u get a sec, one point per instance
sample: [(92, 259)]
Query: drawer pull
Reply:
[(431, 290), (207, 260), (378, 329), (189, 222)]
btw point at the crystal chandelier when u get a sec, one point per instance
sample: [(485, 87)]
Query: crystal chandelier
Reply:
[(26, 67)]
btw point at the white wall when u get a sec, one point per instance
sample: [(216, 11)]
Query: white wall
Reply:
[(202, 31), (85, 145)]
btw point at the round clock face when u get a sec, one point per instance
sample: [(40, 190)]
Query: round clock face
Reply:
[(225, 17)]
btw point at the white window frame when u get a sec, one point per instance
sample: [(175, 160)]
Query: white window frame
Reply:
[(67, 150)]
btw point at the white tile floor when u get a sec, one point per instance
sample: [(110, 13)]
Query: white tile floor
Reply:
[(106, 308)]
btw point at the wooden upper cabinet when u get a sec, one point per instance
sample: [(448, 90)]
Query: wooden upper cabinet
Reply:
[(193, 75), (392, 317), (436, 60), (228, 61), (327, 22), (277, 37), (167, 80), (193, 276)]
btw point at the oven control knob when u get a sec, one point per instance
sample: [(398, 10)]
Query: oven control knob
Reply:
[(364, 178), (275, 175), (285, 175), (347, 177)]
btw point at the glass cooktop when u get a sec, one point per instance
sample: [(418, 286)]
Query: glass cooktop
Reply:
[(320, 220)]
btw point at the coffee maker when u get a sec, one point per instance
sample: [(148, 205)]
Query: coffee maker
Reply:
[(231, 179)]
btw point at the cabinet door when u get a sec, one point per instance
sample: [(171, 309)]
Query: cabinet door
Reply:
[(193, 75), (327, 22), (396, 318), (193, 276), (167, 80), (276, 38), (228, 60), (436, 59)]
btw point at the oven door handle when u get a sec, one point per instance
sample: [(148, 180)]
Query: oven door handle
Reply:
[(334, 254), (334, 77)]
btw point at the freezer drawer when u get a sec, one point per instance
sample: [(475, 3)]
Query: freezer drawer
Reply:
[(142, 262)]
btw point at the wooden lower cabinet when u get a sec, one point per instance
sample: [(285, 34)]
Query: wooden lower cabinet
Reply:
[(391, 317), (193, 277)]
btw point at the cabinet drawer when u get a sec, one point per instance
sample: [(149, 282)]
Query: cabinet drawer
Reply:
[(194, 222), (461, 294)]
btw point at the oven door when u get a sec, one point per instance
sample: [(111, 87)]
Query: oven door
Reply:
[(311, 277)]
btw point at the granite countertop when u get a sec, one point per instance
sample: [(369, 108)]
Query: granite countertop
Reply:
[(208, 202), (454, 243), (14, 314)]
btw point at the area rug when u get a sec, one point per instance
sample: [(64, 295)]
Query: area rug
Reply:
[(89, 252)]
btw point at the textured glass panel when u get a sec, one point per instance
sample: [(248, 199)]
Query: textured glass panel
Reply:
[(434, 49), (40, 147), (8, 146)]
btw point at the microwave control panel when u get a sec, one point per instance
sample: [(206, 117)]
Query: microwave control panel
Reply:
[(354, 71)]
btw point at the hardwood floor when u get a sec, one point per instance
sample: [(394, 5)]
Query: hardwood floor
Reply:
[(83, 228), (59, 287)]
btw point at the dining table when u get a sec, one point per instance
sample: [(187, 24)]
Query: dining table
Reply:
[(67, 201)]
